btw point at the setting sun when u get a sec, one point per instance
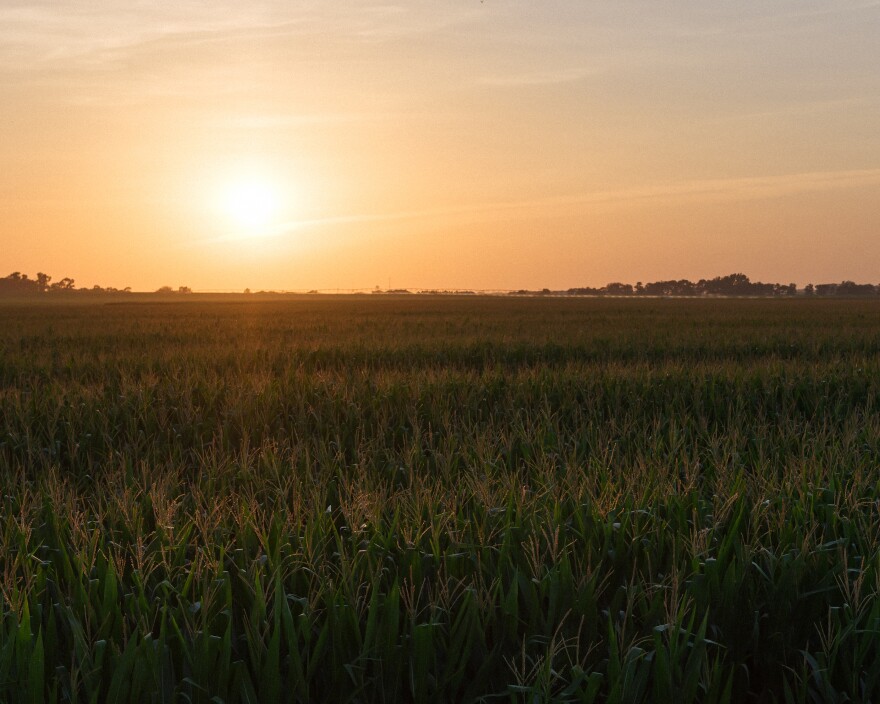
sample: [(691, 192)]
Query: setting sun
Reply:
[(251, 204)]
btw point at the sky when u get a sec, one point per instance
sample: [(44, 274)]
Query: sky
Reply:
[(462, 144)]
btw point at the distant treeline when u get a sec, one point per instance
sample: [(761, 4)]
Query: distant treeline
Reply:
[(17, 283), (20, 284), (730, 285)]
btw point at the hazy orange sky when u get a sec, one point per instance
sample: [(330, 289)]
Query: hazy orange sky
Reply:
[(296, 145)]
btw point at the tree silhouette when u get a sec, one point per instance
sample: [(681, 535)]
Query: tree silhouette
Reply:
[(65, 284)]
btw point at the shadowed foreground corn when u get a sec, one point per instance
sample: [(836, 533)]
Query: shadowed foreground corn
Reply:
[(440, 499)]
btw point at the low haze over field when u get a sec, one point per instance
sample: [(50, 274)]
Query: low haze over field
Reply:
[(463, 144)]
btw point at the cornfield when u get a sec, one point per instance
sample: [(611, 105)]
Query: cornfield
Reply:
[(356, 499)]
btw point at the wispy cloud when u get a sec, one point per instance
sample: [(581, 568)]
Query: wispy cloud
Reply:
[(762, 20), (747, 188), (534, 78), (733, 189), (280, 120), (802, 107), (708, 190), (41, 32), (51, 32)]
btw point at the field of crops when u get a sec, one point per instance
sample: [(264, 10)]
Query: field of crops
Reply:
[(405, 499)]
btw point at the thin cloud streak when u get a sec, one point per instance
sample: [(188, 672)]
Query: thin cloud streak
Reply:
[(708, 190), (38, 34), (537, 78), (798, 108), (275, 121), (49, 33)]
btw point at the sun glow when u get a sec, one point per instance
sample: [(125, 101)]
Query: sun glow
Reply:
[(251, 205)]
